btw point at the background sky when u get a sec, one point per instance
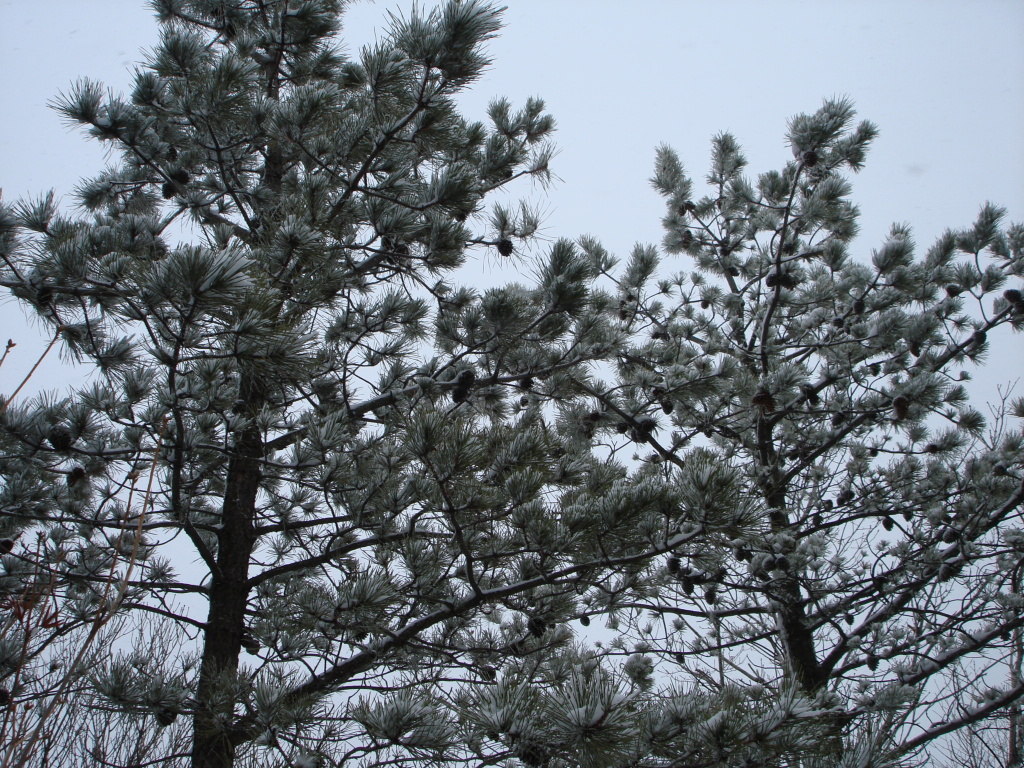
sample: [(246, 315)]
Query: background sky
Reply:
[(943, 80)]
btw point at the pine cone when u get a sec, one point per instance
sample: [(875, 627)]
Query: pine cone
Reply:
[(463, 384), (533, 755), (487, 673), (165, 717), (809, 394), (75, 475), (644, 427), (61, 438), (788, 280), (763, 400), (901, 407), (250, 644)]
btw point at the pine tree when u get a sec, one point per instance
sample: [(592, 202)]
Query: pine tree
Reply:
[(355, 510), (817, 402), (303, 455)]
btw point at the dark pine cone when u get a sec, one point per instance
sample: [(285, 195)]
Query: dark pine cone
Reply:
[(646, 424), (61, 438), (809, 394), (788, 280), (900, 407), (463, 383), (764, 401), (533, 755), (165, 717), (845, 497)]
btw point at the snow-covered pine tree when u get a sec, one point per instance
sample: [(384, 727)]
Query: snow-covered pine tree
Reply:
[(872, 573), (299, 451)]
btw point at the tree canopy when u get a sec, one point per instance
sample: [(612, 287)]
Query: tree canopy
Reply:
[(321, 502)]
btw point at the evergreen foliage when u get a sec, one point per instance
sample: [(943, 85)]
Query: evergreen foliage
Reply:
[(816, 400), (354, 489), (357, 511)]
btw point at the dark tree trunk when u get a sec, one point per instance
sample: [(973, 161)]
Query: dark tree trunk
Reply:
[(1013, 756), (797, 637), (213, 746)]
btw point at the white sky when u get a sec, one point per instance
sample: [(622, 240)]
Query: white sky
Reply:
[(944, 81)]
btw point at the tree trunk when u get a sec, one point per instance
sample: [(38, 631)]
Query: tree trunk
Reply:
[(1013, 756), (797, 637), (213, 746)]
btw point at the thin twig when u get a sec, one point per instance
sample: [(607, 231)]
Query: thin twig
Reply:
[(10, 345), (3, 404)]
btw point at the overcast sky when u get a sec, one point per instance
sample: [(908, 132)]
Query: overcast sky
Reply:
[(943, 80)]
